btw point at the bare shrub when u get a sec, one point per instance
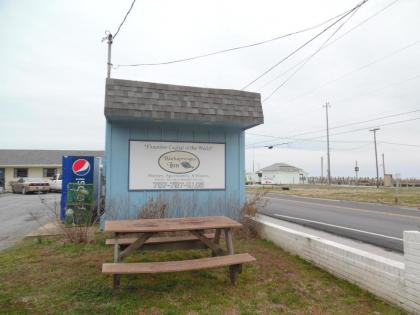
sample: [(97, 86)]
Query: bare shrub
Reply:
[(255, 203), (154, 209), (248, 211), (79, 234), (76, 232)]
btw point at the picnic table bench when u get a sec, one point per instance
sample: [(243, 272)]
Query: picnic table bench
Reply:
[(132, 235)]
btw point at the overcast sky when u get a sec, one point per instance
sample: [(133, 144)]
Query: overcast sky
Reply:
[(53, 68)]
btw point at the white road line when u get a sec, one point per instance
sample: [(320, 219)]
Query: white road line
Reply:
[(346, 208), (340, 227)]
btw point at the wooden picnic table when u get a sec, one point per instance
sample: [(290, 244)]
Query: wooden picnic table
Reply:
[(132, 235)]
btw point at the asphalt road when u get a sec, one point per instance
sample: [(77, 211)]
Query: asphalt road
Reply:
[(376, 224), (22, 214)]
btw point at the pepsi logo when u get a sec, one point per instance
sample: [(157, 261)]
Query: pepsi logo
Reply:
[(81, 167)]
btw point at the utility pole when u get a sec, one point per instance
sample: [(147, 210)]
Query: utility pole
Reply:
[(109, 39), (383, 164), (376, 156), (327, 105), (322, 169)]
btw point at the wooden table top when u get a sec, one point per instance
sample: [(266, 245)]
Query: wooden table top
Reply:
[(170, 224)]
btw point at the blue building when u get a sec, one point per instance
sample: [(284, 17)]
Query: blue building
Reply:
[(177, 146)]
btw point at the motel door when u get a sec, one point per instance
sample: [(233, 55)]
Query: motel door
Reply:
[(2, 178)]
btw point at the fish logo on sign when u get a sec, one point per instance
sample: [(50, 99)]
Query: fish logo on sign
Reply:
[(81, 167), (179, 162)]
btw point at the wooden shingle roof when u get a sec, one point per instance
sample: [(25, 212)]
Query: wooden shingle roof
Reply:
[(134, 100)]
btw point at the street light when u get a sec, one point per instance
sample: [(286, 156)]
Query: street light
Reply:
[(275, 145)]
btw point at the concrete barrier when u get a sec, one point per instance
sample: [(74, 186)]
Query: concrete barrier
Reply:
[(396, 282)]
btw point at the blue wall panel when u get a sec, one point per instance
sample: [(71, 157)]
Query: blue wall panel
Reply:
[(118, 202), (201, 197), (241, 167), (121, 203)]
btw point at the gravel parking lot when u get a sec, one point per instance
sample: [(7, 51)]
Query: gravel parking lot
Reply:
[(22, 214)]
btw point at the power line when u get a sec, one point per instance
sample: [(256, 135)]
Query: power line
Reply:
[(297, 139), (359, 129), (367, 143), (393, 53), (294, 140), (374, 119), (309, 58), (364, 21), (351, 149), (303, 62), (373, 91), (341, 133), (354, 148), (334, 149), (303, 45), (346, 99), (332, 42), (340, 126), (401, 144), (217, 52), (123, 21), (280, 145), (110, 39)]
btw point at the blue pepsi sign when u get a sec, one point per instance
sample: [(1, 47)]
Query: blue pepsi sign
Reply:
[(75, 169)]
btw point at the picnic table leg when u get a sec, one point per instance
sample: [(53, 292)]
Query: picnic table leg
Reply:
[(117, 248), (233, 270), (229, 241), (217, 236), (216, 240)]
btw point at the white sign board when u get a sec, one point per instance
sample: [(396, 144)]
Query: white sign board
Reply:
[(156, 165)]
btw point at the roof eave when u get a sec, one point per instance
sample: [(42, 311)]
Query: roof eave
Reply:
[(127, 118)]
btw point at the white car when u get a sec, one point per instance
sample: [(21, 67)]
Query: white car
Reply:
[(30, 185), (56, 182)]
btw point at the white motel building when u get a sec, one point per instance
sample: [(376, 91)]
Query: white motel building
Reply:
[(15, 164)]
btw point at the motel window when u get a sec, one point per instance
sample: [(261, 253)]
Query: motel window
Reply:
[(49, 172), (20, 172)]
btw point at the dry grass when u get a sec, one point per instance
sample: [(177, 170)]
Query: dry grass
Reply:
[(52, 277), (154, 209), (404, 196)]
